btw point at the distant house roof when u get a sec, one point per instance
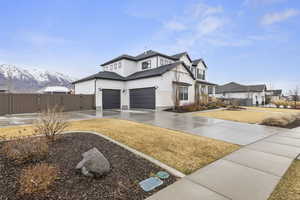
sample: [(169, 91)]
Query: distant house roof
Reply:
[(137, 75), (54, 89), (3, 88), (145, 55), (275, 92), (235, 87)]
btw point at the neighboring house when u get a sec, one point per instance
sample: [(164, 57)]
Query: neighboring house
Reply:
[(54, 90), (273, 95), (246, 94), (151, 80), (3, 89)]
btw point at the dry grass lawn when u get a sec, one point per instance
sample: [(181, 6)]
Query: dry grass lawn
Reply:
[(289, 186), (281, 110), (245, 116), (252, 115), (182, 151)]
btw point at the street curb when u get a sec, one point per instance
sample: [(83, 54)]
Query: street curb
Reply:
[(149, 158)]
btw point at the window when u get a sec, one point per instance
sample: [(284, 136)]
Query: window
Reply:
[(183, 93), (161, 61), (111, 67), (199, 75), (120, 65), (115, 65), (146, 64)]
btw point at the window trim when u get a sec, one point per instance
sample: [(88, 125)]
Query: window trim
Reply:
[(149, 64), (183, 93)]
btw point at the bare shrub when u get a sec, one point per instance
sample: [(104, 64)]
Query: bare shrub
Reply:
[(37, 178), (280, 120), (51, 122), (26, 150)]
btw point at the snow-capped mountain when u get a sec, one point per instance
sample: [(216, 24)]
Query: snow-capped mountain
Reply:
[(30, 80)]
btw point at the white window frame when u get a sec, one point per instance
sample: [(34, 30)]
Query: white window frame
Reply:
[(120, 65), (149, 64), (183, 93)]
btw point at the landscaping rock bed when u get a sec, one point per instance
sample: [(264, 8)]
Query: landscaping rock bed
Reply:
[(122, 182)]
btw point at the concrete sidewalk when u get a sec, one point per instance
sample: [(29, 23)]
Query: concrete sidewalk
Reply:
[(250, 173)]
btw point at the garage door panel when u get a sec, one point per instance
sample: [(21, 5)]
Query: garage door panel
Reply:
[(111, 99), (142, 98)]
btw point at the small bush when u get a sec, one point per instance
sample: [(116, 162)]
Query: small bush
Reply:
[(280, 120), (26, 150), (37, 179), (235, 108), (51, 122)]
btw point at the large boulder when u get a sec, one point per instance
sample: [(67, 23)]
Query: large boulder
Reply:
[(93, 164)]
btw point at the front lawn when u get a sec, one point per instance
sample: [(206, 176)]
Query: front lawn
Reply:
[(256, 115), (289, 186), (184, 152), (245, 116)]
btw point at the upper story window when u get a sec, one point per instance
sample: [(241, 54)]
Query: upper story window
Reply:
[(146, 64), (115, 65), (120, 65), (111, 67), (164, 61)]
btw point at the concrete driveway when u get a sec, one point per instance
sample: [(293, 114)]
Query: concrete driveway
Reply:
[(233, 132)]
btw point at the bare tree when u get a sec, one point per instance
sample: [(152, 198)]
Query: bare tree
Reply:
[(295, 95), (51, 122)]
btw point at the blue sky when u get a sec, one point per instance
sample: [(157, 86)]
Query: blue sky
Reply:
[(247, 41)]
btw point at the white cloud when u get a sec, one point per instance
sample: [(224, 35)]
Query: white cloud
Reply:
[(203, 10), (175, 26), (261, 2), (276, 17), (210, 24)]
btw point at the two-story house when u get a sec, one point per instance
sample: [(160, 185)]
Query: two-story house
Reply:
[(151, 80)]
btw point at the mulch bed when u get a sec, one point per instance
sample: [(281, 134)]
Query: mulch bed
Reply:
[(295, 124), (121, 183), (185, 111)]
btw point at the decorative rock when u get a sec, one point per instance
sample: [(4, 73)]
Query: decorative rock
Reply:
[(93, 164), (162, 175)]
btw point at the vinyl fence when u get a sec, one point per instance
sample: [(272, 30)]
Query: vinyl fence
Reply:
[(32, 103)]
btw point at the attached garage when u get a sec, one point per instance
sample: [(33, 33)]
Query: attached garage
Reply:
[(142, 98), (111, 99)]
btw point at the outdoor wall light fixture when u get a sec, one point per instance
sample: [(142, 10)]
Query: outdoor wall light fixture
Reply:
[(156, 87), (123, 90), (99, 89)]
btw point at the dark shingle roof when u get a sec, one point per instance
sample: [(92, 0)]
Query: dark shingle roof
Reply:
[(137, 75), (103, 75), (235, 87), (154, 72), (145, 55), (179, 55), (205, 82), (197, 61)]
